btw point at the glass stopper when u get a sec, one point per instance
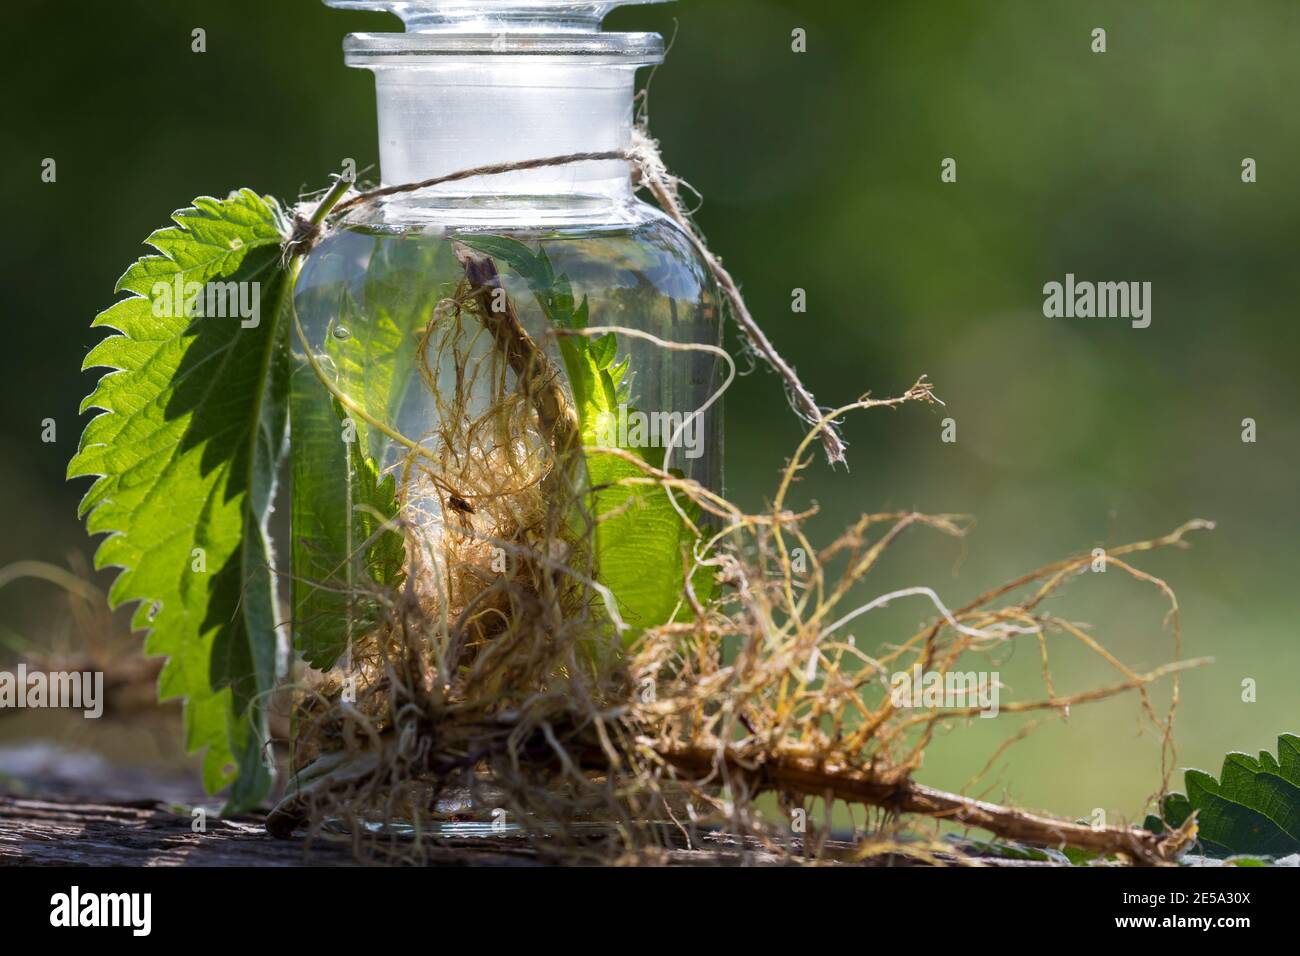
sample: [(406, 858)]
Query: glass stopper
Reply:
[(494, 16)]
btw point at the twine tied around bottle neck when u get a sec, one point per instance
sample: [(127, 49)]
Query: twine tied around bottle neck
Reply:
[(650, 173)]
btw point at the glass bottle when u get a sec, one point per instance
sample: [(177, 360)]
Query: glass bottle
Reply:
[(447, 390)]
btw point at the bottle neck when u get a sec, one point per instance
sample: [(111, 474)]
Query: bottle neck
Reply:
[(462, 113)]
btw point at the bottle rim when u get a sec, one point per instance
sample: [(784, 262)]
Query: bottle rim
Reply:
[(629, 49)]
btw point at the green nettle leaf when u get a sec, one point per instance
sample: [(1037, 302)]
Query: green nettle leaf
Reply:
[(339, 504), (369, 343), (640, 538), (640, 541), (342, 514), (1253, 808), (320, 502), (192, 427), (344, 535), (385, 548)]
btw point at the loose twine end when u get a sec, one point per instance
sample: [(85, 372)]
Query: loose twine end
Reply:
[(649, 173)]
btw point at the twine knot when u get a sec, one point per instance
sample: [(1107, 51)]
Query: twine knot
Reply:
[(303, 235)]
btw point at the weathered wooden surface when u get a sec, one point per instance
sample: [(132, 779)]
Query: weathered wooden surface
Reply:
[(60, 808), (53, 832), (69, 809), (62, 832)]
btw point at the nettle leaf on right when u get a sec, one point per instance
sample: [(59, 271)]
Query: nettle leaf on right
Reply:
[(1253, 808)]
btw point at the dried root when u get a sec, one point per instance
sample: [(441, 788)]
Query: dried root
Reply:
[(509, 695)]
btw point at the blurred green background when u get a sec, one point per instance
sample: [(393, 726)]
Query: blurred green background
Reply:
[(821, 171)]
